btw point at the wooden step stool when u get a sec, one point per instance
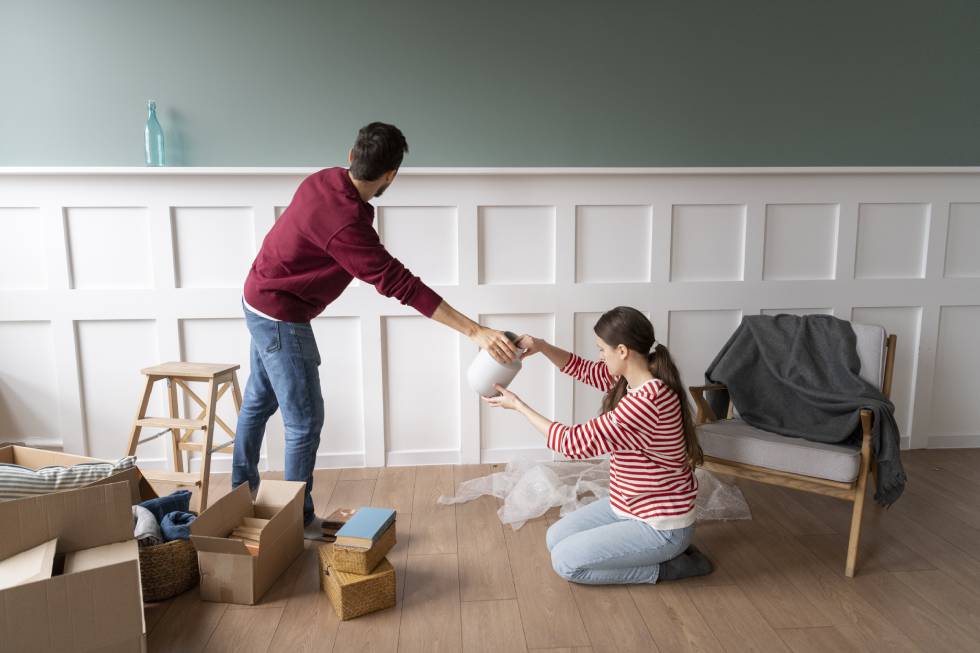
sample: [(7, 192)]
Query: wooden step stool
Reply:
[(219, 377)]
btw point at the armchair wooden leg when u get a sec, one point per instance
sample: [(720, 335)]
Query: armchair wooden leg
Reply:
[(862, 483)]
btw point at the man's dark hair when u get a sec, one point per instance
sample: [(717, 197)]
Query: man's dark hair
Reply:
[(379, 148)]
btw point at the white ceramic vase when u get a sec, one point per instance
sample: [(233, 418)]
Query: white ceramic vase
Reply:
[(485, 372)]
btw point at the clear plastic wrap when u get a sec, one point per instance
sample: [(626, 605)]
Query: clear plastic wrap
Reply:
[(529, 489)]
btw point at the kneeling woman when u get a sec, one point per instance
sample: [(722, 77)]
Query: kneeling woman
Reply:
[(642, 532)]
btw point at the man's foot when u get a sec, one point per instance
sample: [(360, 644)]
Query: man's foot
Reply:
[(690, 563), (314, 530)]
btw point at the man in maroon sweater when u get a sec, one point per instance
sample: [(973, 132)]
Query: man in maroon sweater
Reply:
[(323, 240)]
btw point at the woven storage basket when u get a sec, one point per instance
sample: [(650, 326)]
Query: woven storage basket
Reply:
[(353, 595), (363, 561), (167, 569)]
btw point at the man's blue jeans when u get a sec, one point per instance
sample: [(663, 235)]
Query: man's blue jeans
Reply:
[(285, 375)]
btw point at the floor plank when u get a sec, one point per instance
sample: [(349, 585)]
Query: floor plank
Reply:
[(431, 608), (826, 639), (926, 625), (672, 619), (484, 565), (244, 631), (433, 525), (764, 583), (733, 619), (492, 627), (395, 489), (548, 611), (187, 626), (308, 620), (611, 619)]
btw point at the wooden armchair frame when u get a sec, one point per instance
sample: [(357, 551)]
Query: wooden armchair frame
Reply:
[(854, 491)]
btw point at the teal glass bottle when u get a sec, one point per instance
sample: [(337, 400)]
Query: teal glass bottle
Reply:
[(153, 137)]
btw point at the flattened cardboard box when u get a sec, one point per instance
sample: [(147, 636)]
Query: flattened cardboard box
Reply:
[(229, 573), (37, 458), (96, 604)]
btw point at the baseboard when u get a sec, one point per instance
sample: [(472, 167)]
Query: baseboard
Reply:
[(533, 454), (407, 458), (953, 441)]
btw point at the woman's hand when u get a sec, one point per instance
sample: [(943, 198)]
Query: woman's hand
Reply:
[(496, 343), (530, 345), (506, 399)]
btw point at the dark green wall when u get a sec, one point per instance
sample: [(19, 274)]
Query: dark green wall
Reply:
[(495, 83)]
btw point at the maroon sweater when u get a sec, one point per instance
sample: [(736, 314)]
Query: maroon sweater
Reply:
[(318, 245)]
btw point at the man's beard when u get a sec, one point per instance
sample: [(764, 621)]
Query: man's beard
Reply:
[(380, 191)]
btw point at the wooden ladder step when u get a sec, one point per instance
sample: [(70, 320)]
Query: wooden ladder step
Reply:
[(183, 478), (173, 423)]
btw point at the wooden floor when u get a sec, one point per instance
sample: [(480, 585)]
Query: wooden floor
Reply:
[(465, 583)]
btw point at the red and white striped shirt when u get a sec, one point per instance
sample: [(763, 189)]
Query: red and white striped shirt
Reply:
[(649, 475)]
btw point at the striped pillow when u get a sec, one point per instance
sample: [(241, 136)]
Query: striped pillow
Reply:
[(17, 482)]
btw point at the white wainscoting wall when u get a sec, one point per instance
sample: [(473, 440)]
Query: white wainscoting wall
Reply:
[(104, 271)]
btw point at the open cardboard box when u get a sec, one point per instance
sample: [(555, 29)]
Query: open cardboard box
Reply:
[(229, 572), (14, 454), (91, 599)]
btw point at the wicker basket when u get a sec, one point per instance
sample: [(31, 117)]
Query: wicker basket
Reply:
[(363, 561), (353, 595), (167, 570)]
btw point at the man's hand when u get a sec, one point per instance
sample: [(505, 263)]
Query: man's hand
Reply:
[(496, 343)]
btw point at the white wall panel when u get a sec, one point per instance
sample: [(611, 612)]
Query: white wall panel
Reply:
[(801, 241), (503, 431), (342, 382), (28, 380), (213, 246), (963, 241), (707, 242), (422, 377), (109, 247), (892, 240), (224, 340), (955, 409), (517, 244), (798, 311), (111, 354), (695, 339), (22, 265), (905, 322), (424, 238), (115, 288), (613, 243)]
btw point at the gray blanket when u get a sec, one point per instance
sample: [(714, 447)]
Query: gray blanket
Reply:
[(799, 376)]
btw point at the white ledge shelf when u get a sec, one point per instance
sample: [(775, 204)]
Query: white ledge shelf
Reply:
[(487, 171)]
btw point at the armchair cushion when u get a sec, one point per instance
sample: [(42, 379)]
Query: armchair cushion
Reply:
[(734, 440)]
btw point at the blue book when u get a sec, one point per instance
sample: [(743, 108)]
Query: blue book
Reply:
[(365, 527)]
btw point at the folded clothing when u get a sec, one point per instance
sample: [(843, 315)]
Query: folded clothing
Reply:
[(176, 525), (17, 481), (179, 500), (145, 527)]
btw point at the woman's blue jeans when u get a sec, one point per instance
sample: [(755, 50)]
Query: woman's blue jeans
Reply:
[(595, 546)]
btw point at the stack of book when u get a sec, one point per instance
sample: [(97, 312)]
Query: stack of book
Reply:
[(336, 521), (354, 572)]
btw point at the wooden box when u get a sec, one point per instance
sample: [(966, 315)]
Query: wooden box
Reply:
[(353, 595)]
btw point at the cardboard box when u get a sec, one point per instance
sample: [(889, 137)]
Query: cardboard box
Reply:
[(37, 458), (353, 595), (229, 572), (93, 601)]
